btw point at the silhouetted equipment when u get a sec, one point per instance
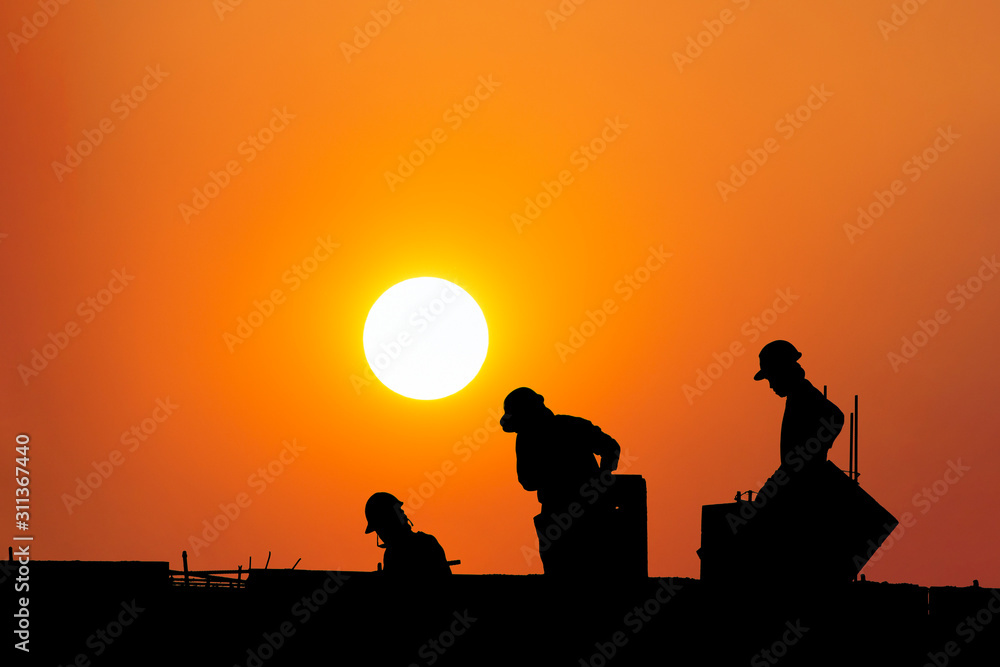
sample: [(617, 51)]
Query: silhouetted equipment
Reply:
[(810, 521), (850, 454), (605, 536), (821, 526), (852, 469), (627, 535), (188, 578)]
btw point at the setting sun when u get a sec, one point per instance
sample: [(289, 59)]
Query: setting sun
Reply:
[(425, 338)]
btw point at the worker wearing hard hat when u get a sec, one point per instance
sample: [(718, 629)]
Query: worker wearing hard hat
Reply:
[(555, 457), (811, 422), (407, 553)]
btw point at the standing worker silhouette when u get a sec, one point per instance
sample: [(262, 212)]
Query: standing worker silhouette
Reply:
[(407, 554), (795, 534), (555, 457), (811, 422)]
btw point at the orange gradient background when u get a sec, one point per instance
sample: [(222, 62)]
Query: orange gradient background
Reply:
[(323, 176)]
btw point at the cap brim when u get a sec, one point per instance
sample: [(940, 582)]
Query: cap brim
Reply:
[(761, 374), (369, 529)]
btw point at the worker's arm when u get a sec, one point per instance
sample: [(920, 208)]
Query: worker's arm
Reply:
[(438, 562), (603, 445), (835, 424)]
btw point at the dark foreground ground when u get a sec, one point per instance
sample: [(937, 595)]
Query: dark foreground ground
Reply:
[(107, 613)]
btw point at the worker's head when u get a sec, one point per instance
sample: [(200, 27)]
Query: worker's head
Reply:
[(779, 366), (522, 407), (384, 512)]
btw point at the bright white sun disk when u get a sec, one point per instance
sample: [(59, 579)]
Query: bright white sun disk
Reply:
[(425, 338)]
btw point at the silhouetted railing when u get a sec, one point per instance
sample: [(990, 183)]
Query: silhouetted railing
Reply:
[(210, 578)]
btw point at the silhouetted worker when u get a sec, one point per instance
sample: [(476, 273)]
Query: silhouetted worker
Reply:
[(407, 554), (795, 537), (811, 421), (555, 457)]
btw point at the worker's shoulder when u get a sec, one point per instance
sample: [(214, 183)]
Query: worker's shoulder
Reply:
[(807, 391), (569, 421), (816, 397), (426, 539)]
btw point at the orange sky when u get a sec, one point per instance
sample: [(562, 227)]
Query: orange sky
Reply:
[(297, 119)]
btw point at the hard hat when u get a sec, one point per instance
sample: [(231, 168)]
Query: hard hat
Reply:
[(379, 508), (776, 354), (521, 398), (520, 401)]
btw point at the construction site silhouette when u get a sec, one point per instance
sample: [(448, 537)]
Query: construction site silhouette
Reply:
[(779, 581)]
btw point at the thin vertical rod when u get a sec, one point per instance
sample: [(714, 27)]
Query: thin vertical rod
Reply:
[(850, 454), (856, 470)]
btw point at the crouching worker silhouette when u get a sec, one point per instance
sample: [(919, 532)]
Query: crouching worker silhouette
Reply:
[(555, 457), (407, 554)]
